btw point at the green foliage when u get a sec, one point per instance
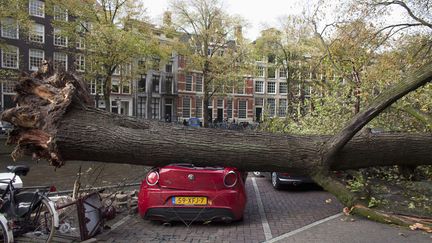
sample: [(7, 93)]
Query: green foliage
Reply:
[(357, 184)]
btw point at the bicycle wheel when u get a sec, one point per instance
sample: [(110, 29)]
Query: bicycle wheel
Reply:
[(3, 233), (41, 223)]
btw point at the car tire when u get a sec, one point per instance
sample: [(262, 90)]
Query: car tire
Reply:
[(275, 181)]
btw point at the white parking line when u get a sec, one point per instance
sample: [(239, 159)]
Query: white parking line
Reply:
[(120, 222), (264, 222), (289, 234)]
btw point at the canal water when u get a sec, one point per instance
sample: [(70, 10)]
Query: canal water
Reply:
[(93, 174)]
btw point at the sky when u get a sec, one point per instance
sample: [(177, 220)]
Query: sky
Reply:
[(257, 13)]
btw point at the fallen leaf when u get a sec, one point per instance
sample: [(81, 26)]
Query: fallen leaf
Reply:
[(328, 200)]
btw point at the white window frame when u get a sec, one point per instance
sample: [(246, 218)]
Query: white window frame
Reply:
[(199, 107), (184, 115), (37, 33), (58, 39), (286, 87), (282, 110), (199, 77), (80, 44), (115, 82), (188, 84), (80, 63), (126, 84), (261, 85), (37, 8), (274, 87), (64, 59), (7, 25), (60, 14), (8, 50), (271, 109), (261, 71), (34, 67), (240, 110)]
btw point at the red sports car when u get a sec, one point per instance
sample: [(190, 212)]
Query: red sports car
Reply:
[(184, 192)]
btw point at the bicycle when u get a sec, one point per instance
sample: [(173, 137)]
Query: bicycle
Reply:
[(26, 212)]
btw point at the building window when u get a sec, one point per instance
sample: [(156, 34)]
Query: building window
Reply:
[(168, 67), (259, 86), (229, 108), (142, 84), (219, 103), (199, 82), (10, 57), (126, 87), (186, 107), (80, 63), (37, 8), (199, 107), (141, 112), (60, 14), (259, 101), (271, 106), (60, 60), (59, 40), (155, 83), (169, 84), (80, 43), (242, 112), (240, 89), (282, 107), (93, 86), (271, 87), (35, 59), (115, 86), (8, 87), (260, 71), (188, 82), (155, 108), (283, 88), (117, 70), (9, 28), (37, 33), (282, 73), (271, 72)]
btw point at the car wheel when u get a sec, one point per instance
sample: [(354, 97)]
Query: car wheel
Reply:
[(257, 173), (275, 180)]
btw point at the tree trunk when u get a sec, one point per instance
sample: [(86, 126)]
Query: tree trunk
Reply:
[(55, 120)]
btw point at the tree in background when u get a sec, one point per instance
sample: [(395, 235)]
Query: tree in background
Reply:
[(112, 33), (212, 44)]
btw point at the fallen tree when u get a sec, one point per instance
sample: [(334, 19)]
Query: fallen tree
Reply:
[(55, 120)]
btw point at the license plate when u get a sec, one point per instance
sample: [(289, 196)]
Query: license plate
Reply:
[(189, 200)]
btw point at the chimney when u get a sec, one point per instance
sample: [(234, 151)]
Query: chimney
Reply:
[(167, 18)]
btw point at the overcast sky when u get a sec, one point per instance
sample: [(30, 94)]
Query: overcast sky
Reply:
[(256, 12)]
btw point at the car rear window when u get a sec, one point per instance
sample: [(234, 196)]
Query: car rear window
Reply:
[(192, 166)]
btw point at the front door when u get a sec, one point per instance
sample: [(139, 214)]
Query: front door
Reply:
[(258, 112), (219, 114), (168, 113)]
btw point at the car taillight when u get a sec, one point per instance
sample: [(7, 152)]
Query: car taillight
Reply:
[(285, 174), (152, 178), (230, 179)]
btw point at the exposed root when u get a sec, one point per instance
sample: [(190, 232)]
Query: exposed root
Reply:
[(42, 100)]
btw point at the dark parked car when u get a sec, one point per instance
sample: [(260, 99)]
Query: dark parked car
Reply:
[(283, 178), (184, 192)]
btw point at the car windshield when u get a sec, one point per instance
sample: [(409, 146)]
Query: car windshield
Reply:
[(192, 166)]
